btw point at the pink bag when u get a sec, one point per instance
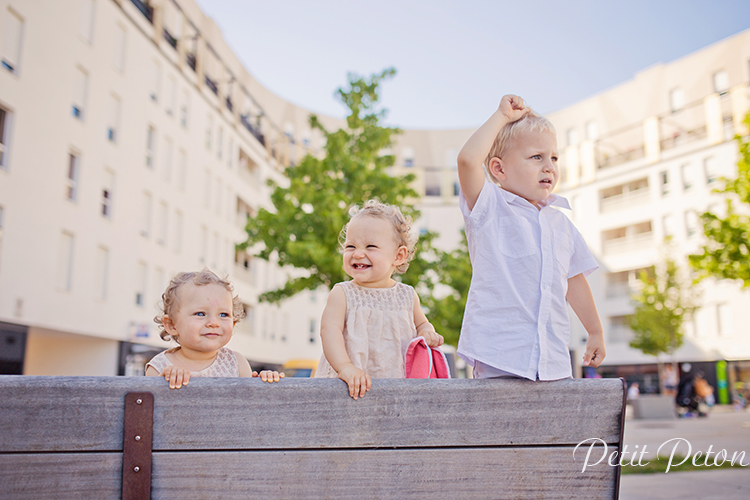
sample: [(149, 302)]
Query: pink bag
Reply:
[(423, 361)]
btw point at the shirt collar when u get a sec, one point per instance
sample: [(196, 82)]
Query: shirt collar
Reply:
[(552, 200)]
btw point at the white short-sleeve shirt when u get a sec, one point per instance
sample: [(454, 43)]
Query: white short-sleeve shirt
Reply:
[(516, 317)]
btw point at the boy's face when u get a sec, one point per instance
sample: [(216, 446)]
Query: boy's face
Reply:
[(529, 166)]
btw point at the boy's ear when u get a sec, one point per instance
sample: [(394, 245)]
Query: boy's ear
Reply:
[(496, 168)]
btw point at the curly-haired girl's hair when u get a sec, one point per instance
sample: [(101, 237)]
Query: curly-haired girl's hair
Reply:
[(401, 224), (170, 303)]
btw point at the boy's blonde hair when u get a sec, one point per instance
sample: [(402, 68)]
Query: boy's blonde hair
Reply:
[(169, 302), (400, 223), (531, 121)]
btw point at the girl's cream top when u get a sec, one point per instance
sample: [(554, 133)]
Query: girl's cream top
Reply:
[(378, 327), (225, 364)]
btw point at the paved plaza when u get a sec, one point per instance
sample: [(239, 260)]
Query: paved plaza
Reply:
[(722, 429)]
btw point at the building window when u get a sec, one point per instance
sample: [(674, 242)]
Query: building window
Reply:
[(2, 214), (5, 118), (207, 190), (167, 168), (65, 261), (217, 206), (664, 181), (688, 177), (572, 136), (721, 82), (118, 56), (113, 118), (408, 154), (146, 215), (12, 47), (101, 272), (161, 233), (107, 193), (204, 245), (140, 284), (209, 126), (668, 225), (313, 330), (691, 223), (184, 109), (155, 81), (215, 252), (80, 85), (723, 319), (592, 131), (676, 99), (219, 142), (177, 233), (230, 152), (150, 146), (171, 95), (182, 170), (86, 28), (71, 181), (711, 170)]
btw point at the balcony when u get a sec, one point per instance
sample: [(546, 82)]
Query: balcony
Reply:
[(245, 120), (624, 196), (145, 9), (170, 39), (619, 147), (190, 58), (212, 85)]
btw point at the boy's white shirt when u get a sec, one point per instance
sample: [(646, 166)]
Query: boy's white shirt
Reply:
[(516, 316)]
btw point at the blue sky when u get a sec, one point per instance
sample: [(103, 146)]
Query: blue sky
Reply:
[(455, 59)]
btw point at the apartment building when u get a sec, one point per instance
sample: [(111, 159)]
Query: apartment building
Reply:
[(133, 145), (638, 163)]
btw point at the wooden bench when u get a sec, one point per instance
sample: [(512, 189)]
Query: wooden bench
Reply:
[(85, 437)]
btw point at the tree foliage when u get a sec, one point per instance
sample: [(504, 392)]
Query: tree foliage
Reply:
[(452, 270), (662, 304), (302, 230), (726, 255)]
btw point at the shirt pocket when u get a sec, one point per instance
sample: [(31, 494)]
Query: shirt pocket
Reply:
[(516, 237)]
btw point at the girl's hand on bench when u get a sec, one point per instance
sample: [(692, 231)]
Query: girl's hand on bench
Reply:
[(357, 379), (176, 376), (269, 375)]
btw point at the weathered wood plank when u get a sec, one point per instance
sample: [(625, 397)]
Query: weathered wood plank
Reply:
[(61, 476), (363, 474), (86, 413)]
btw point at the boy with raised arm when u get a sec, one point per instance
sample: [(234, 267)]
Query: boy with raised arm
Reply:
[(527, 257)]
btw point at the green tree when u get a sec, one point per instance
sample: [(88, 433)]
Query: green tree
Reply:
[(302, 230), (662, 304), (727, 250), (453, 270)]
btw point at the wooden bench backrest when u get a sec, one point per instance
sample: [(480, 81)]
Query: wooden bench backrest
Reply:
[(62, 437)]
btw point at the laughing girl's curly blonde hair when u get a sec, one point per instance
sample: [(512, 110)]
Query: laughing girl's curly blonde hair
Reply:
[(401, 224)]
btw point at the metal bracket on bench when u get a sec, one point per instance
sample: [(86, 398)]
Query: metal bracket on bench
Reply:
[(136, 447)]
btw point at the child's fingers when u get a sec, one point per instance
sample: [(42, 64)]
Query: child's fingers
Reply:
[(254, 374)]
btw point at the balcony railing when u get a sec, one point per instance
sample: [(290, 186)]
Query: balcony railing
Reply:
[(212, 85), (245, 120), (636, 242), (191, 60), (170, 39), (625, 200), (145, 9)]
